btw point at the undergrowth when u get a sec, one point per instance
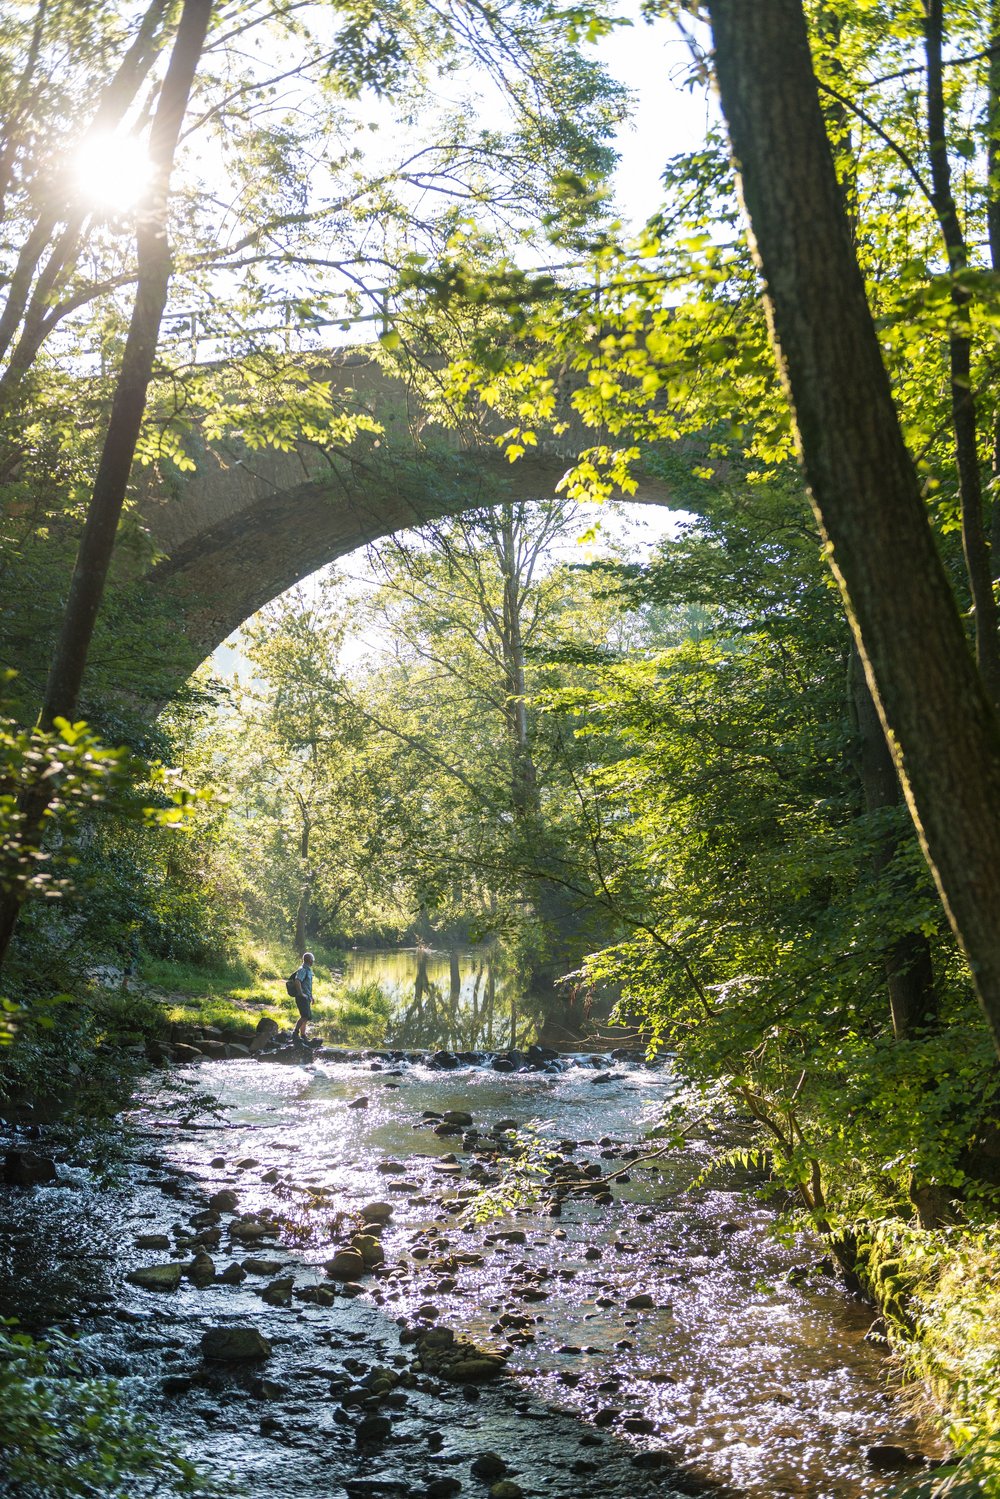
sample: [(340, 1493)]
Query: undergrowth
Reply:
[(65, 1433)]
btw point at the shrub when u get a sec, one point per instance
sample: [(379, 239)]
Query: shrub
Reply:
[(64, 1433)]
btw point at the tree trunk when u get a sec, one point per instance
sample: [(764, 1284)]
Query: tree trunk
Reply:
[(93, 560), (943, 729), (305, 890), (975, 545), (524, 781), (909, 970), (993, 237)]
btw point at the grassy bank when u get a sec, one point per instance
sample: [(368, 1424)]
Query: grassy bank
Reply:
[(239, 990)]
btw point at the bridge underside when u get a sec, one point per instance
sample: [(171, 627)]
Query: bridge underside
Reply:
[(248, 525)]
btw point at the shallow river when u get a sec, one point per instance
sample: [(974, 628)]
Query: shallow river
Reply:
[(740, 1379)]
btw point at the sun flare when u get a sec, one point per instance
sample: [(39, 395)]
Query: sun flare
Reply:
[(112, 171)]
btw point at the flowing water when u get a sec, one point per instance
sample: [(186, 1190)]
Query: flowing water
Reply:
[(744, 1382)]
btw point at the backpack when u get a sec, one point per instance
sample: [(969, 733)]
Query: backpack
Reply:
[(290, 985)]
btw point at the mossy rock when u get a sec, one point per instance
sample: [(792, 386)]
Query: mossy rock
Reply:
[(156, 1277)]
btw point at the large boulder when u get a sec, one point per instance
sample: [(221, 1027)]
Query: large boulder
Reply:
[(235, 1345)]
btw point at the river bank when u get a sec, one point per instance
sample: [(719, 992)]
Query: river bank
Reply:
[(737, 1370)]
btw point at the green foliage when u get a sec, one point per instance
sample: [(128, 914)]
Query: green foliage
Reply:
[(359, 1012), (65, 1433), (80, 1051)]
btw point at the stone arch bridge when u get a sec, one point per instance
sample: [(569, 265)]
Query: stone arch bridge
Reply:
[(249, 524)]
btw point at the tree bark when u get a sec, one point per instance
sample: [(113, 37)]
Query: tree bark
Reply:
[(305, 889), (993, 238), (934, 708), (524, 781), (965, 426), (128, 407), (909, 969)]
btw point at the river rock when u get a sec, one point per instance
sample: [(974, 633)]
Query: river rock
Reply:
[(373, 1429), (183, 1051), (346, 1265), (268, 1389), (889, 1458), (459, 1360), (233, 1275), (235, 1050), (254, 1266), (278, 1292), (151, 1241), (370, 1250), (224, 1202), (156, 1277), (488, 1465), (248, 1230), (232, 1345), (26, 1168), (376, 1212), (506, 1489), (201, 1271), (640, 1303), (317, 1295), (359, 1103)]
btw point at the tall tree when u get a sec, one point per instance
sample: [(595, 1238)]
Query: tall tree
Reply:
[(128, 406), (934, 706)]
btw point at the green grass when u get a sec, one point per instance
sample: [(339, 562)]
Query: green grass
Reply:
[(361, 1013), (238, 991)]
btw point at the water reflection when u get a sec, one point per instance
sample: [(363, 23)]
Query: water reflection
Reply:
[(462, 1000)]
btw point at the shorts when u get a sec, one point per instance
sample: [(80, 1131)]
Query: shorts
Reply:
[(305, 1008)]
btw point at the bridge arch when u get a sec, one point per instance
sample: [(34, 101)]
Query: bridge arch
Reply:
[(246, 525)]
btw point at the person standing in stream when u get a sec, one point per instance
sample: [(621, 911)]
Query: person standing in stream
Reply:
[(303, 981)]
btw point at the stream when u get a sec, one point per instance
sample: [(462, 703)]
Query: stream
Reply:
[(726, 1377)]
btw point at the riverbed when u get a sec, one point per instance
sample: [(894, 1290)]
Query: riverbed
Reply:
[(741, 1370)]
